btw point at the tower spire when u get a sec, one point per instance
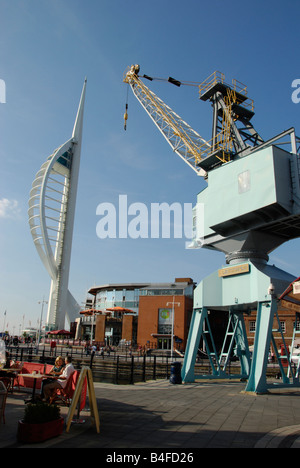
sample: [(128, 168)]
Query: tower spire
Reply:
[(77, 129)]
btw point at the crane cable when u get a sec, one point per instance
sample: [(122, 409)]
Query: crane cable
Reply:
[(171, 80)]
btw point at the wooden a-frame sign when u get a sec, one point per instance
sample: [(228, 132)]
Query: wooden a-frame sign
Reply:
[(85, 373)]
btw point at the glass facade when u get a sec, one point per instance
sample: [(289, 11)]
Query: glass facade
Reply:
[(162, 292), (186, 290), (108, 298)]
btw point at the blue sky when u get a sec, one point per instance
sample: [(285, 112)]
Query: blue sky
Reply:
[(47, 49)]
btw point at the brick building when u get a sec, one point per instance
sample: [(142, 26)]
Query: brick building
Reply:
[(158, 303), (288, 318)]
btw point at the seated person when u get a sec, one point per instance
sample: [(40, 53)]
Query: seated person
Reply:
[(8, 365), (61, 381), (55, 371), (58, 366)]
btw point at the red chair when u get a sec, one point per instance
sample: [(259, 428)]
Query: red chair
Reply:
[(65, 394)]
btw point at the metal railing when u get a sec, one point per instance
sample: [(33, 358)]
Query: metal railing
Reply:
[(112, 367), (126, 368), (218, 77)]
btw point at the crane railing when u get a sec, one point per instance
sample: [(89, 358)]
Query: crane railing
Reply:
[(239, 88)]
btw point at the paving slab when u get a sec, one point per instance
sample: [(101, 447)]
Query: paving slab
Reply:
[(158, 415)]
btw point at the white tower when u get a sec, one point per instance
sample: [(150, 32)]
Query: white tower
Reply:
[(51, 220)]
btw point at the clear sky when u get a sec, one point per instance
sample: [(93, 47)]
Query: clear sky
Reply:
[(48, 47)]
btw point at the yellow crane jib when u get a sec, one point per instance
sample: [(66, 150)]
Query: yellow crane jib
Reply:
[(185, 142)]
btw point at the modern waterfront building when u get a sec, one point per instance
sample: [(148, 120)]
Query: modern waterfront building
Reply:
[(51, 218), (139, 314)]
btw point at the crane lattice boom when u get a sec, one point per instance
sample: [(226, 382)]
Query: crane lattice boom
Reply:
[(185, 142)]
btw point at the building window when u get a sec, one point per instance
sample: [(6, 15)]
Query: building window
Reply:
[(282, 325), (252, 326), (164, 329), (162, 292)]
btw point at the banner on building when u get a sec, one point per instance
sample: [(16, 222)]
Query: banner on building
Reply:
[(165, 316)]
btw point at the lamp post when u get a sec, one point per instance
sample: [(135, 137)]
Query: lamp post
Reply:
[(92, 327), (173, 303), (4, 318), (40, 327)]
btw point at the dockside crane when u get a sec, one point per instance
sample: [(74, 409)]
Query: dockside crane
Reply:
[(251, 207)]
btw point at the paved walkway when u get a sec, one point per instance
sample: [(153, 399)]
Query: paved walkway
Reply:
[(160, 415)]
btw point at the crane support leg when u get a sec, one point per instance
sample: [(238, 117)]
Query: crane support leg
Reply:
[(265, 315), (196, 327)]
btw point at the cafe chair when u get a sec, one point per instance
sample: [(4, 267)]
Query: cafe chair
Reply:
[(3, 396), (7, 383), (17, 369), (64, 395)]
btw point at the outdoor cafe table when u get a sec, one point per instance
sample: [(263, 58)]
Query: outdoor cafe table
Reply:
[(34, 376), (9, 369)]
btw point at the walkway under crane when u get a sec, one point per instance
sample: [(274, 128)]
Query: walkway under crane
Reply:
[(251, 206)]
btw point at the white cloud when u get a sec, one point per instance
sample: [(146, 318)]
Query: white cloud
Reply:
[(9, 208)]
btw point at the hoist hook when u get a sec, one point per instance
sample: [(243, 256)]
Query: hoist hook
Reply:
[(125, 117)]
